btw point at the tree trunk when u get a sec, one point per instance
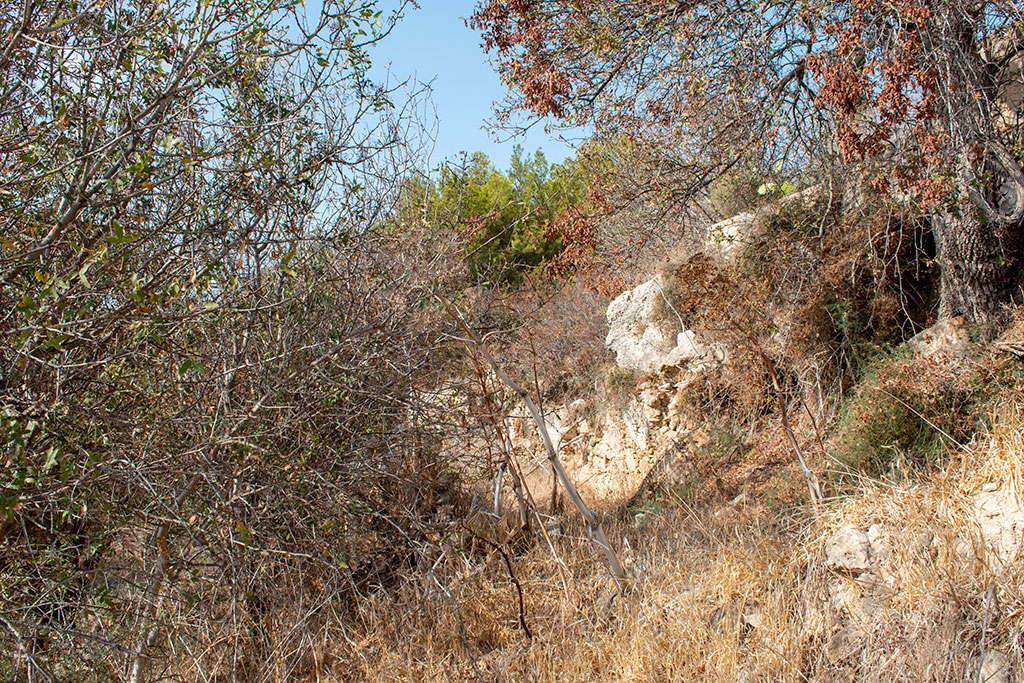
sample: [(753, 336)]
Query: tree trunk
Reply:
[(978, 243), (977, 272)]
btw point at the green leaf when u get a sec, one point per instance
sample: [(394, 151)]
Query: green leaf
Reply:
[(51, 459), (190, 365), (28, 304)]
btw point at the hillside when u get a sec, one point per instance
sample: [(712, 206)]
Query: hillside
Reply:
[(290, 390), (908, 569)]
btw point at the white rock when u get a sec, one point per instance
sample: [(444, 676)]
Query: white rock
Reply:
[(641, 343), (727, 239), (946, 337), (848, 549), (1000, 517)]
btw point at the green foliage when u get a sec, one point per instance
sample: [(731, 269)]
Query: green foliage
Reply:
[(501, 219), (907, 411), (205, 357), (746, 189)]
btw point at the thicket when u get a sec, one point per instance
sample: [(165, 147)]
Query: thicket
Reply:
[(212, 429)]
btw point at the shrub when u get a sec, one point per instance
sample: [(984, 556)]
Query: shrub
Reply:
[(907, 410), (745, 190)]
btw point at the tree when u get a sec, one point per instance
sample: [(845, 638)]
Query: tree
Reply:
[(501, 220), (912, 86), (208, 349)]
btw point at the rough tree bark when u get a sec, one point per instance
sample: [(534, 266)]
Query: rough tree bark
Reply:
[(978, 243), (979, 272)]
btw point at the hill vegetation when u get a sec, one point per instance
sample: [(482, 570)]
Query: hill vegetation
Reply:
[(280, 402)]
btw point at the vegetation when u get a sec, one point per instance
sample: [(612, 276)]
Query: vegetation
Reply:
[(907, 414), (209, 350), (268, 385), (911, 87), (503, 222), (696, 578)]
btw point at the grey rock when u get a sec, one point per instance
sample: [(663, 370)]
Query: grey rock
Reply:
[(727, 239), (995, 667), (947, 337)]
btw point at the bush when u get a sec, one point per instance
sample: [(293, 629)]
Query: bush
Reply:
[(907, 410), (745, 190)]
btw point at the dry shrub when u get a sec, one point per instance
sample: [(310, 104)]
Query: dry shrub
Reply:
[(911, 412), (723, 597), (725, 308), (560, 343), (839, 280)]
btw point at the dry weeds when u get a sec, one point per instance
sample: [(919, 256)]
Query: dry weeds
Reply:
[(741, 594)]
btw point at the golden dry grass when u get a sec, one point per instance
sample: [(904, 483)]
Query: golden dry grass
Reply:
[(920, 615)]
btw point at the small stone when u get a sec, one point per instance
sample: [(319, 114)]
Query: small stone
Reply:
[(752, 614), (995, 668), (947, 337), (990, 487), (848, 549)]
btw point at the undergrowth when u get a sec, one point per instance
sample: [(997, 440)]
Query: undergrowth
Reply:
[(722, 597)]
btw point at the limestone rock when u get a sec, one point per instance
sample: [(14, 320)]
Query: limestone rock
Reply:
[(1000, 518), (727, 239), (641, 343), (946, 337), (638, 343), (849, 550)]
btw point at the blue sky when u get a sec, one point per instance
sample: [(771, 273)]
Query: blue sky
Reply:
[(433, 45)]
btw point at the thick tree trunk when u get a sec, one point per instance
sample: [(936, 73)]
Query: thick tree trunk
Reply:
[(979, 244), (977, 270)]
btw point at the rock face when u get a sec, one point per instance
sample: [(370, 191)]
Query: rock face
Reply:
[(946, 337), (727, 239), (607, 459), (640, 342)]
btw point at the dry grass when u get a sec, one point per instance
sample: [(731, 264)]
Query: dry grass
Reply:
[(919, 615)]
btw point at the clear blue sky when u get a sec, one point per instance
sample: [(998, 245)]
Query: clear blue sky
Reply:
[(433, 45)]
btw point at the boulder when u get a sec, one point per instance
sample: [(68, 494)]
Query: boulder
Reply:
[(947, 337), (641, 342), (727, 239), (848, 550)]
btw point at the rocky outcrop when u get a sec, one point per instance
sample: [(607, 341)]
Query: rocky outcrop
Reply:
[(642, 341), (727, 239), (608, 454)]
